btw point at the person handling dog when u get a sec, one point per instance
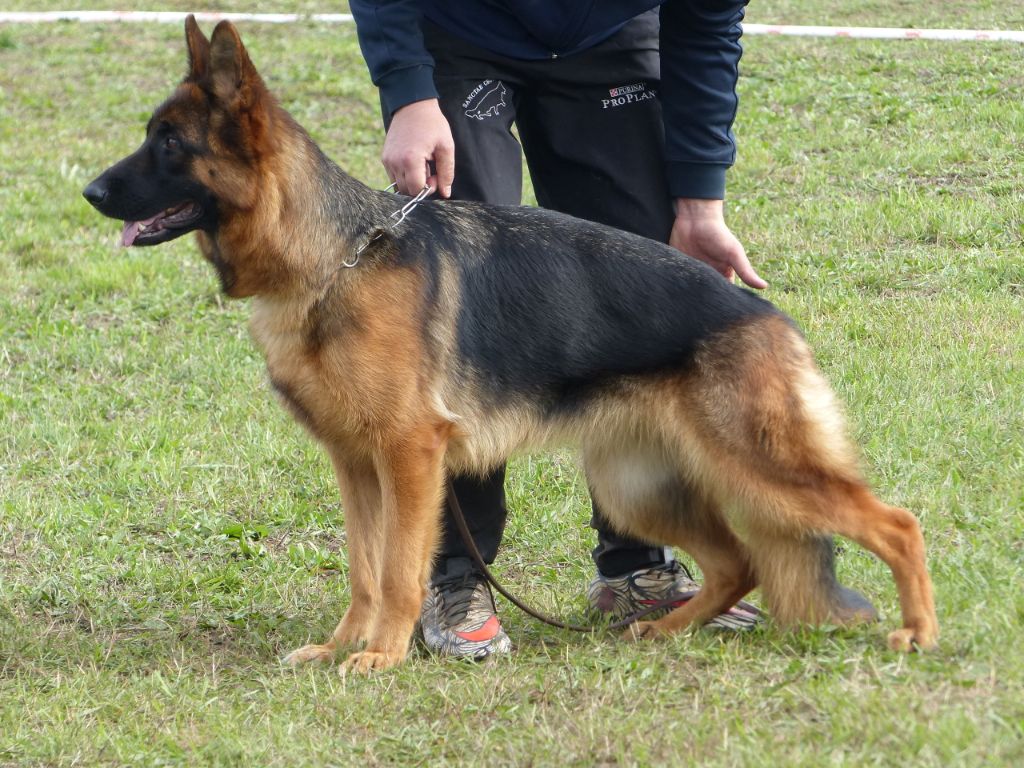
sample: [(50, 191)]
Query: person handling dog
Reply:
[(623, 111)]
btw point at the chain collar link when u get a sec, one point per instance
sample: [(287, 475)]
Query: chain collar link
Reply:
[(393, 221)]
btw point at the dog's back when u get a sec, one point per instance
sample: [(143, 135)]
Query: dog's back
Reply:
[(554, 307)]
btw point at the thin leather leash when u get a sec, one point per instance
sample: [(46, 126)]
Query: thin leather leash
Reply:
[(467, 538)]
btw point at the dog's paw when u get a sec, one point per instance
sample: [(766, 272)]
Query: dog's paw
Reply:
[(354, 629), (323, 654), (642, 630), (909, 640), (365, 662)]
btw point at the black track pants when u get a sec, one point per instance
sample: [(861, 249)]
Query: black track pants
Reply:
[(590, 128)]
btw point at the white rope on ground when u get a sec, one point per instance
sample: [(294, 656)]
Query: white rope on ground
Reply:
[(864, 33)]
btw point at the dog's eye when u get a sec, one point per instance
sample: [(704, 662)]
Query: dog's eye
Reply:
[(172, 143)]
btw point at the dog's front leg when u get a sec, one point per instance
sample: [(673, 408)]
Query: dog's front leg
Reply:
[(411, 475), (364, 530)]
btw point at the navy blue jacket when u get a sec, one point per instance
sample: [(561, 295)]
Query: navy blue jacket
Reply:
[(700, 53)]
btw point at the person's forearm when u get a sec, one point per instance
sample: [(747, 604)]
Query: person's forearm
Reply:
[(696, 207)]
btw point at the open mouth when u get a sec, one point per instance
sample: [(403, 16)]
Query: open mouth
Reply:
[(166, 225)]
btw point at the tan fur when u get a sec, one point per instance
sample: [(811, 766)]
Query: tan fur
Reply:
[(750, 440)]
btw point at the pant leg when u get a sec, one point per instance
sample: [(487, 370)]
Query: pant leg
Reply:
[(477, 95), (594, 141)]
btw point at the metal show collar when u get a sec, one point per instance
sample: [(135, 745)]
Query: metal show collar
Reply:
[(394, 220)]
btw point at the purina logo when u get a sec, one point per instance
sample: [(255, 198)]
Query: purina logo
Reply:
[(628, 94), (624, 89)]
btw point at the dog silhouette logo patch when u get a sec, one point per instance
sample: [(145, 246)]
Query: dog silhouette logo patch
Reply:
[(486, 100)]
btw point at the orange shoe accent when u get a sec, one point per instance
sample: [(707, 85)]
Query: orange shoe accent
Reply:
[(488, 631)]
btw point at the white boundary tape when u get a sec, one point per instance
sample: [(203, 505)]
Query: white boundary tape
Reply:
[(875, 33), (36, 17), (885, 33)]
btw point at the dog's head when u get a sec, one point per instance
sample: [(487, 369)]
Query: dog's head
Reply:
[(199, 162)]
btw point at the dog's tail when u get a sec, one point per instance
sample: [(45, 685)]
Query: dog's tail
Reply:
[(780, 460), (799, 585)]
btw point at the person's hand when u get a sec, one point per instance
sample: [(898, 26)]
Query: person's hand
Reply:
[(700, 231), (418, 136)]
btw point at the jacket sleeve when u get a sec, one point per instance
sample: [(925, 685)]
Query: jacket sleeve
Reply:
[(392, 44), (700, 55)]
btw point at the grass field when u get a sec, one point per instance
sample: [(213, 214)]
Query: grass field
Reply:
[(167, 533)]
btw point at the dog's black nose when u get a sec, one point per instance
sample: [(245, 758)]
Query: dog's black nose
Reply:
[(95, 193)]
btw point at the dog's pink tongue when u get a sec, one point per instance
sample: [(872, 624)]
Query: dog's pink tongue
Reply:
[(132, 228), (129, 233)]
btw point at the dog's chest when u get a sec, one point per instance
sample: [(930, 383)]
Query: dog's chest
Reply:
[(278, 329)]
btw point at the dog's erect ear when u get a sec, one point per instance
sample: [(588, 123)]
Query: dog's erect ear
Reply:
[(232, 74), (198, 49)]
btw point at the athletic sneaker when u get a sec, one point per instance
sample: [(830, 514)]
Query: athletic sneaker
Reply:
[(459, 618), (622, 596)]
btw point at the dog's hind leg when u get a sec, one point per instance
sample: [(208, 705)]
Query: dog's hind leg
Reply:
[(361, 504), (771, 445), (723, 561), (641, 494), (412, 475), (895, 536)]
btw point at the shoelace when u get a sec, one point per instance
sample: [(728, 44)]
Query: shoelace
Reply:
[(676, 567)]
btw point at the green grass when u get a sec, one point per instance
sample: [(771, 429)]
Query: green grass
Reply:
[(167, 533)]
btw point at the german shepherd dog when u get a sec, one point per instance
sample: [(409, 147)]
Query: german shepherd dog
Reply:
[(469, 332)]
